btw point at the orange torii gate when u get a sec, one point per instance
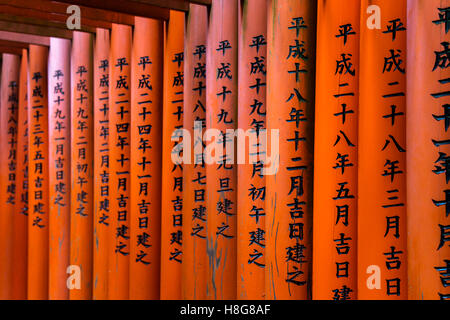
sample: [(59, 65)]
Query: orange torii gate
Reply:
[(221, 173), (352, 203), (335, 162), (146, 119), (382, 152), (119, 162), (251, 118), (59, 166), (428, 153), (81, 240), (194, 265), (102, 217), (38, 165), (172, 173), (8, 163), (20, 219), (290, 109)]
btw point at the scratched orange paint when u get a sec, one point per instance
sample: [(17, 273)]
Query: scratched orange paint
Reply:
[(172, 196), (290, 109), (221, 176), (194, 174)]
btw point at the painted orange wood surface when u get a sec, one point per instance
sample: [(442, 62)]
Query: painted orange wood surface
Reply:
[(194, 173), (290, 109), (146, 118), (247, 149), (8, 163), (221, 173), (102, 217), (251, 189), (20, 219), (81, 239), (382, 156), (172, 183), (38, 196), (119, 161), (335, 161), (427, 123), (59, 167)]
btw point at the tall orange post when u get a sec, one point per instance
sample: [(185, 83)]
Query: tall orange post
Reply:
[(172, 173), (251, 190), (221, 173), (335, 161), (290, 109), (38, 164), (81, 240), (119, 162), (146, 119), (382, 152), (194, 266), (102, 217), (59, 167), (20, 219), (428, 153), (8, 164)]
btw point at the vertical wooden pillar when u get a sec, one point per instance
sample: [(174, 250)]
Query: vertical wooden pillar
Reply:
[(38, 174), (428, 153), (102, 218), (251, 118), (172, 173), (290, 109), (59, 167), (146, 119), (382, 152), (195, 212), (335, 161), (119, 162), (221, 114), (81, 239), (20, 219), (8, 164)]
